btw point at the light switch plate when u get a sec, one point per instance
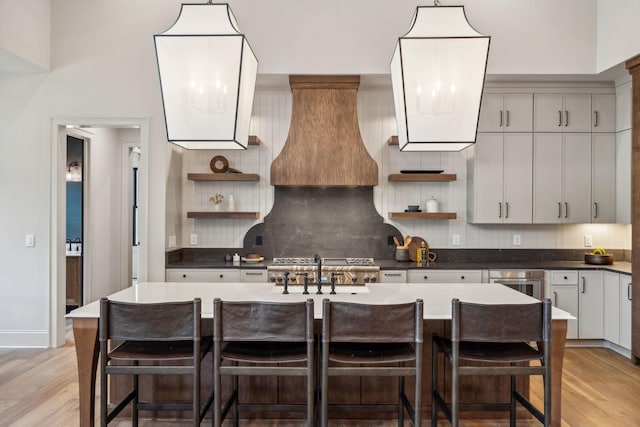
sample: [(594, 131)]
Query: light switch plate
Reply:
[(30, 240), (456, 240), (588, 240), (172, 241), (194, 239), (517, 240)]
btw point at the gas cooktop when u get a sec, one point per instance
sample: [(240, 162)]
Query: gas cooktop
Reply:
[(325, 261)]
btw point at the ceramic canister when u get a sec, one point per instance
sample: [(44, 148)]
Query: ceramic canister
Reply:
[(432, 204)]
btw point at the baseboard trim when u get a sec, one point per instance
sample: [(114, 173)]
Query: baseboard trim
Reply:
[(24, 339)]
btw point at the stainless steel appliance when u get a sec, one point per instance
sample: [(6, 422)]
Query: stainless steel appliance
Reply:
[(348, 271), (530, 282)]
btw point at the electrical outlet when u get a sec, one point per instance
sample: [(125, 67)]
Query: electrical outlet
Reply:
[(194, 239), (517, 240), (30, 240), (172, 241), (456, 240), (588, 240)]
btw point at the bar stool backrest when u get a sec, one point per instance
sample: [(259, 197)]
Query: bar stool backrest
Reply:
[(167, 321), (266, 321), (500, 322), (353, 322)]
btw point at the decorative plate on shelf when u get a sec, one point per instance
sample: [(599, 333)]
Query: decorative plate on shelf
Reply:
[(421, 171)]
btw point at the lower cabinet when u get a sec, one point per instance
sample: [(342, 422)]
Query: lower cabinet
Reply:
[(393, 276), (203, 275), (566, 298), (444, 276), (617, 309), (590, 305), (253, 275)]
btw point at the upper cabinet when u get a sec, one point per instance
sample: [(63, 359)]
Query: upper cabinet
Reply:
[(604, 113), (562, 112), (510, 112)]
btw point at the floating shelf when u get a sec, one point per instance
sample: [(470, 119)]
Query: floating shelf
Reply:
[(254, 140), (423, 215), (393, 140), (223, 177), (222, 215), (414, 177)]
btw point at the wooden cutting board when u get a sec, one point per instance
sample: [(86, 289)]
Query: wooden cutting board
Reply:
[(416, 241)]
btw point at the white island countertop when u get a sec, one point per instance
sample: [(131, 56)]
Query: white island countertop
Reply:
[(436, 296)]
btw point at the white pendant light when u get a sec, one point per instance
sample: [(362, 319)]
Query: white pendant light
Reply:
[(437, 73), (207, 76)]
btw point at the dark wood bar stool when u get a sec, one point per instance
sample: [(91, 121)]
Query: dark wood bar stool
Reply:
[(262, 338), (495, 340), (373, 340), (140, 336)]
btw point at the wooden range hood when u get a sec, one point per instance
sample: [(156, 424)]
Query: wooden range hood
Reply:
[(324, 147)]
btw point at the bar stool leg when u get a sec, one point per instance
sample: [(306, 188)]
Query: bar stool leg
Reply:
[(400, 403), (512, 401)]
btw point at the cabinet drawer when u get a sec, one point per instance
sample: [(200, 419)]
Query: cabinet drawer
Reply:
[(253, 275), (564, 277), (393, 276), (452, 276), (202, 275)]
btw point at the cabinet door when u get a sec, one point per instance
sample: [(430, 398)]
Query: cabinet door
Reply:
[(518, 178), (393, 276), (492, 117), (577, 113), (202, 275), (253, 275), (576, 178), (548, 112), (488, 179), (603, 177), (547, 178), (518, 112), (604, 113), (612, 285), (444, 276), (623, 177), (566, 298), (591, 306), (626, 295)]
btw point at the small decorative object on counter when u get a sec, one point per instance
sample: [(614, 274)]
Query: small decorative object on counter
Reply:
[(227, 258), (236, 257), (599, 257), (432, 204), (423, 252), (232, 203), (217, 200), (402, 254)]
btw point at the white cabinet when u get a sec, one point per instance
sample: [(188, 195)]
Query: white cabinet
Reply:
[(253, 275), (562, 178), (393, 276), (617, 309), (501, 179), (564, 295), (562, 112), (590, 305), (202, 275), (444, 276), (506, 112), (604, 113), (623, 177), (603, 178)]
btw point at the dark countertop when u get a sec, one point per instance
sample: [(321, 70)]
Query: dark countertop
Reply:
[(616, 267)]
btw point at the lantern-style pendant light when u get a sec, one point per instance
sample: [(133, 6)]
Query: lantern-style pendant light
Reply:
[(437, 72), (207, 76)]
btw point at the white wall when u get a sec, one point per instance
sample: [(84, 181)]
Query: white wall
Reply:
[(618, 32), (25, 35)]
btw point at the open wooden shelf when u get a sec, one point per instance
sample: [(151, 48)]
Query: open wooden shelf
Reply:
[(422, 215), (415, 177), (254, 140), (393, 140), (223, 215), (223, 177)]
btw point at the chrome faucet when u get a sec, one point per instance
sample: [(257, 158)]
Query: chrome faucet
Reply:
[(318, 260)]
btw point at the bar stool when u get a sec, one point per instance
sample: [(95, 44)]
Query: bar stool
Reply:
[(373, 340), (136, 336), (498, 335), (268, 338)]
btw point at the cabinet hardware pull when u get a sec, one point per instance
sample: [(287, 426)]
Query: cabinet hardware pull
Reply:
[(393, 274), (566, 118), (595, 204), (461, 277), (559, 118), (555, 298), (221, 276), (426, 277), (500, 125), (566, 209), (507, 118), (629, 291), (506, 206), (184, 276), (499, 209), (249, 273), (596, 123), (583, 287), (559, 210)]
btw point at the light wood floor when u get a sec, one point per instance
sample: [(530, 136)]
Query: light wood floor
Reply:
[(39, 387)]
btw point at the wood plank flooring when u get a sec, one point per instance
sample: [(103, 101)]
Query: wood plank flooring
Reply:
[(39, 387)]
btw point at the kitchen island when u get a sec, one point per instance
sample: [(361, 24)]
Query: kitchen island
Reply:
[(437, 313)]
